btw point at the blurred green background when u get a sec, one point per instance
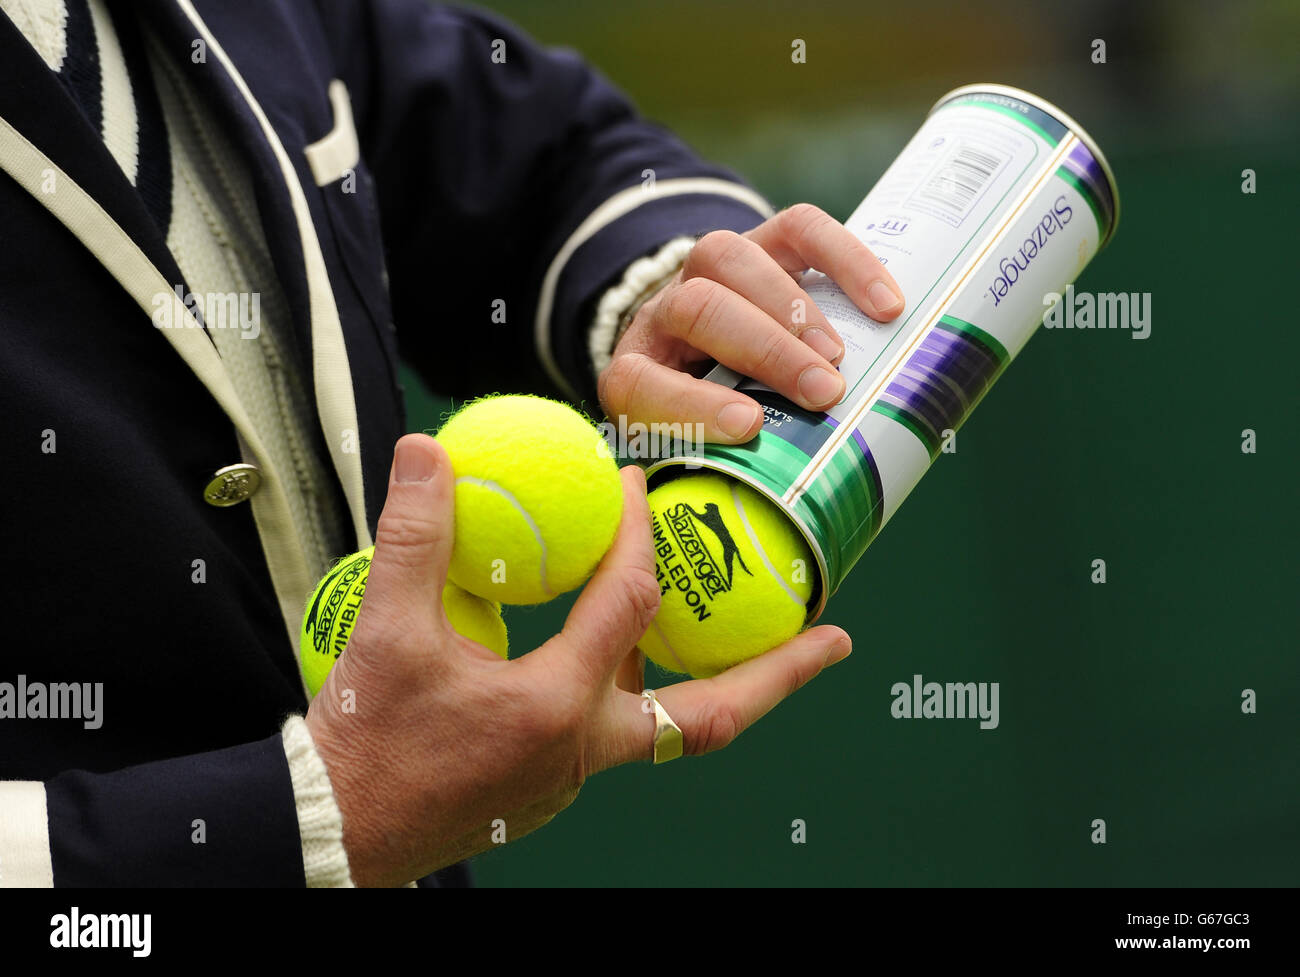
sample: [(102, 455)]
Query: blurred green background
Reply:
[(1119, 701)]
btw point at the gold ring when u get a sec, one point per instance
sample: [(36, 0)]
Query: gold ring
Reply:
[(668, 735)]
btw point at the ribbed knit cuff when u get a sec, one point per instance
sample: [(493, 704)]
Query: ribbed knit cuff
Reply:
[(320, 825), (643, 278)]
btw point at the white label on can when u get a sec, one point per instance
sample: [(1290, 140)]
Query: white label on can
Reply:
[(972, 225), (930, 210), (993, 205)]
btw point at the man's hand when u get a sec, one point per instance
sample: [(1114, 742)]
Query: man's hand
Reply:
[(446, 738), (735, 301)]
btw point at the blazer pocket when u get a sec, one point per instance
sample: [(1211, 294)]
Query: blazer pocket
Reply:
[(338, 151), (360, 279)]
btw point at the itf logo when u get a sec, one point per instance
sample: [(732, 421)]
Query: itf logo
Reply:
[(893, 226)]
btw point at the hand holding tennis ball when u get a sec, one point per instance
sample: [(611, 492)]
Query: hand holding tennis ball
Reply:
[(334, 606), (537, 502), (439, 740), (735, 575)]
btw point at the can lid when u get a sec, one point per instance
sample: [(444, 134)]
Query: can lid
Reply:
[(1066, 120)]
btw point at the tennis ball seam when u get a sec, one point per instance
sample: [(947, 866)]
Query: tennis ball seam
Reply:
[(669, 645), (758, 547), (518, 506)]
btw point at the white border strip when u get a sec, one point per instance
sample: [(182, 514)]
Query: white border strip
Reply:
[(25, 836), (619, 205)]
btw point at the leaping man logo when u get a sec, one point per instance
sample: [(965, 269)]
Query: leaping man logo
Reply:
[(712, 518)]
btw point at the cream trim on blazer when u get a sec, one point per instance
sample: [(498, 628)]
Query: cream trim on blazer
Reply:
[(623, 202), (334, 396)]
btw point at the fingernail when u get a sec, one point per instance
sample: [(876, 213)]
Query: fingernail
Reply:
[(822, 344), (414, 462), (820, 386), (838, 652), (735, 420), (883, 298)]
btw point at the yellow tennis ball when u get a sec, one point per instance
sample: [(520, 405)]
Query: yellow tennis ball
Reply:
[(332, 613), (538, 498), (475, 618), (735, 576)]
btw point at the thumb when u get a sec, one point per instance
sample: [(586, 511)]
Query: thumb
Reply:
[(615, 608), (415, 533)]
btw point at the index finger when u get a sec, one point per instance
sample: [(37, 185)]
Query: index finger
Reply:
[(805, 237)]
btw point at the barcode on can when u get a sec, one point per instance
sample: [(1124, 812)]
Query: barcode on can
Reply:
[(957, 183)]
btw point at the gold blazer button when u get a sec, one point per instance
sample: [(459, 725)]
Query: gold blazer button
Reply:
[(232, 485)]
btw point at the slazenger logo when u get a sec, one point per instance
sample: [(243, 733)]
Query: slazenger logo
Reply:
[(715, 575), (319, 622)]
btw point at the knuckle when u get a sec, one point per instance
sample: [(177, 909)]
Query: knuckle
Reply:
[(541, 720), (624, 379), (636, 377), (642, 591), (612, 380), (721, 727), (399, 533), (714, 250), (559, 715), (795, 678), (686, 311), (858, 256), (770, 357), (802, 219), (856, 251)]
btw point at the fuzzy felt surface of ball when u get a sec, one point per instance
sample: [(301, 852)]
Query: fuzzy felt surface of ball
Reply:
[(538, 497), (735, 575)]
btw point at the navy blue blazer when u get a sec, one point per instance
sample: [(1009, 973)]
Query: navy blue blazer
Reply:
[(523, 181)]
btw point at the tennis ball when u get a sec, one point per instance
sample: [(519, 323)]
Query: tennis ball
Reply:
[(475, 618), (332, 613), (538, 498), (735, 576)]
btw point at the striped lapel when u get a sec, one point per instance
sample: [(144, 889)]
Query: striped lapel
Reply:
[(180, 37), (42, 130), (35, 103)]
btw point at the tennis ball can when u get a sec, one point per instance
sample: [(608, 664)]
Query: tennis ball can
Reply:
[(998, 201)]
